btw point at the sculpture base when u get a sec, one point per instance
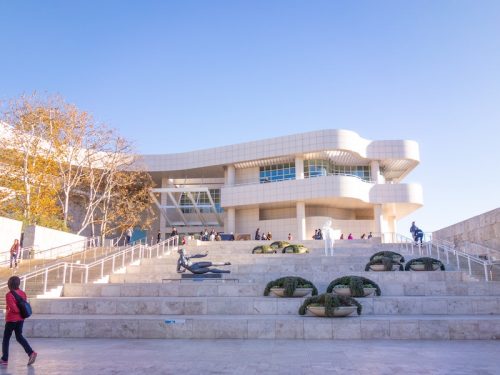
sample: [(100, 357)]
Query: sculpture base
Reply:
[(201, 276)]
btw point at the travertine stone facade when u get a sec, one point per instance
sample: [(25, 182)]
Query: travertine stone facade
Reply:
[(292, 184), (483, 229)]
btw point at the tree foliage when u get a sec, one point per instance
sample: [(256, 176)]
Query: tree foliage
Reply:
[(55, 160)]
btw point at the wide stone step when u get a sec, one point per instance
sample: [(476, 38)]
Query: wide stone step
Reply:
[(263, 268), (254, 268), (271, 259), (309, 243), (312, 251), (316, 277), (209, 288), (433, 327), (394, 305)]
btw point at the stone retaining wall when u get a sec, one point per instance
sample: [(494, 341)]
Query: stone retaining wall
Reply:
[(483, 229)]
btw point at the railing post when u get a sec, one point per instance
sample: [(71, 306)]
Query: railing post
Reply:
[(113, 264), (86, 274), (45, 280), (468, 263), (102, 268), (64, 272), (485, 271), (70, 273), (458, 261), (447, 255)]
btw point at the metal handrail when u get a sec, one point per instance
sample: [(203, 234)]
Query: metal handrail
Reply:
[(469, 247), (443, 249), (446, 250), (143, 251), (293, 179), (79, 245)]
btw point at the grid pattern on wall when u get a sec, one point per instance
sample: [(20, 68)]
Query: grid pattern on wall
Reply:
[(202, 202), (277, 172), (215, 193), (317, 167)]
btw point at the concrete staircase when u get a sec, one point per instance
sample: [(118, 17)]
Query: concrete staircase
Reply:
[(137, 304), (35, 286)]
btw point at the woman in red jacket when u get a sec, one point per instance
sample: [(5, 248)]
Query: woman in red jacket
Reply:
[(14, 252), (14, 322)]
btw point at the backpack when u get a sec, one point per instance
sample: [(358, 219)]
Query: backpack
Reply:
[(23, 306)]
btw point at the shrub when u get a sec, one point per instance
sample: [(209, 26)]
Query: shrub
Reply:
[(263, 249), (388, 254), (279, 244), (387, 262), (355, 284), (427, 262), (330, 302), (290, 283), (296, 249)]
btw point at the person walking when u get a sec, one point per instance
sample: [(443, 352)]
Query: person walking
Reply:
[(14, 252), (419, 236), (14, 322), (413, 229), (128, 235), (257, 234), (174, 232)]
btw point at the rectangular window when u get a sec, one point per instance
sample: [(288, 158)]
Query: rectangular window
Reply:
[(277, 172), (316, 168)]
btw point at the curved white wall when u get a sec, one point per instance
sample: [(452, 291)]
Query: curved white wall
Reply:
[(319, 188), (317, 141)]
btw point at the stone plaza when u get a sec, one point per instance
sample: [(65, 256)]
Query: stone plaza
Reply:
[(256, 357)]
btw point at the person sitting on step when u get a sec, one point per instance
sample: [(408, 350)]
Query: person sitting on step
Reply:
[(184, 263)]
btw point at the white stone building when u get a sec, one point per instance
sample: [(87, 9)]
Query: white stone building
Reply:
[(291, 184)]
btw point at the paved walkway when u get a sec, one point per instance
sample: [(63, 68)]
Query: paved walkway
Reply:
[(109, 356)]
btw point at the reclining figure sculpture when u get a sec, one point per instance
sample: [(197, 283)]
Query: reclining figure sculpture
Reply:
[(184, 263)]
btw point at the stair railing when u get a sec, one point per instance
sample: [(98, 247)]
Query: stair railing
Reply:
[(54, 252), (446, 250), (66, 272)]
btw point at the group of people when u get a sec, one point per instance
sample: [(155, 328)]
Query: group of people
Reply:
[(351, 237), (210, 236), (416, 233), (264, 236), (318, 234)]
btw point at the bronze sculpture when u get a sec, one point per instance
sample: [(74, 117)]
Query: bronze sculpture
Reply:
[(184, 263)]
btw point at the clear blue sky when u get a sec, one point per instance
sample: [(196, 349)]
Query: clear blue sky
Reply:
[(184, 75)]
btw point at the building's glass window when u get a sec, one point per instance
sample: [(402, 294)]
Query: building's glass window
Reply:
[(361, 171), (215, 194), (315, 168), (202, 202), (186, 204), (277, 172)]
